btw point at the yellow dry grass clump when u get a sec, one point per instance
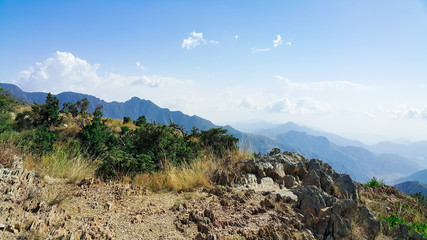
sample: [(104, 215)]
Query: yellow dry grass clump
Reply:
[(188, 176), (179, 178), (63, 162)]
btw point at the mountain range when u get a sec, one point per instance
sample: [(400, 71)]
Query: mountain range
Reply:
[(344, 155), (412, 187), (136, 107)]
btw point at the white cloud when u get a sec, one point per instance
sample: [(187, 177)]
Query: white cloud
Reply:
[(66, 72), (282, 105), (195, 39), (409, 112), (139, 65), (300, 105), (214, 42), (248, 102), (320, 85), (236, 37), (257, 50), (289, 43), (278, 41)]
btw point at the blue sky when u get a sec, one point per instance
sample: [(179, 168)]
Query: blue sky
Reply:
[(356, 68)]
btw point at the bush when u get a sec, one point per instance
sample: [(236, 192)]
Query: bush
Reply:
[(140, 121), (218, 141), (96, 136), (395, 219), (374, 182), (116, 163), (47, 113), (274, 151), (6, 106), (126, 120), (42, 140), (162, 144)]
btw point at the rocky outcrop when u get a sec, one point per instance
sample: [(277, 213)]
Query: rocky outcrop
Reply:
[(327, 200)]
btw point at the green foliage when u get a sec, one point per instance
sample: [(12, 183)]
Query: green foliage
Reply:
[(140, 121), (117, 163), (23, 121), (42, 140), (420, 198), (274, 151), (124, 129), (6, 107), (83, 106), (71, 108), (126, 120), (162, 144), (420, 228), (374, 182), (395, 219), (48, 113), (96, 136), (218, 141)]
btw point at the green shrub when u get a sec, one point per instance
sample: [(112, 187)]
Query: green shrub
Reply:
[(47, 113), (393, 220), (374, 182), (162, 143), (117, 163), (218, 141), (43, 140), (6, 107), (420, 198), (126, 120), (140, 121), (274, 151), (96, 135)]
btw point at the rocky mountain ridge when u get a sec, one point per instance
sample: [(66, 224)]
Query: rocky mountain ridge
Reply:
[(284, 196)]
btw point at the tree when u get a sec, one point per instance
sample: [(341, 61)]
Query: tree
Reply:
[(218, 141), (69, 107), (96, 135), (126, 120), (48, 113), (83, 106), (6, 106), (141, 121)]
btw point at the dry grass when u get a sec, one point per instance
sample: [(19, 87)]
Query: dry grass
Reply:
[(7, 152), (63, 163), (179, 178), (189, 176)]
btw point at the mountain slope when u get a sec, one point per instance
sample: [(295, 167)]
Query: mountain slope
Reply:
[(358, 162), (420, 176), (415, 151), (412, 187), (290, 126), (136, 107)]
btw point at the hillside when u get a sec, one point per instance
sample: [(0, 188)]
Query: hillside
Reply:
[(290, 126), (274, 197), (358, 162), (412, 187), (420, 176), (136, 107), (416, 151)]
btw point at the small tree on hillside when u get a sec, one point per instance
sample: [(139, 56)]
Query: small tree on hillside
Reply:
[(48, 113), (126, 120)]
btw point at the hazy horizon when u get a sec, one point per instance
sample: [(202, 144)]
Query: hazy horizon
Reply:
[(352, 68)]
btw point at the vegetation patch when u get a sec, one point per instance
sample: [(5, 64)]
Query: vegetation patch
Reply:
[(374, 182)]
